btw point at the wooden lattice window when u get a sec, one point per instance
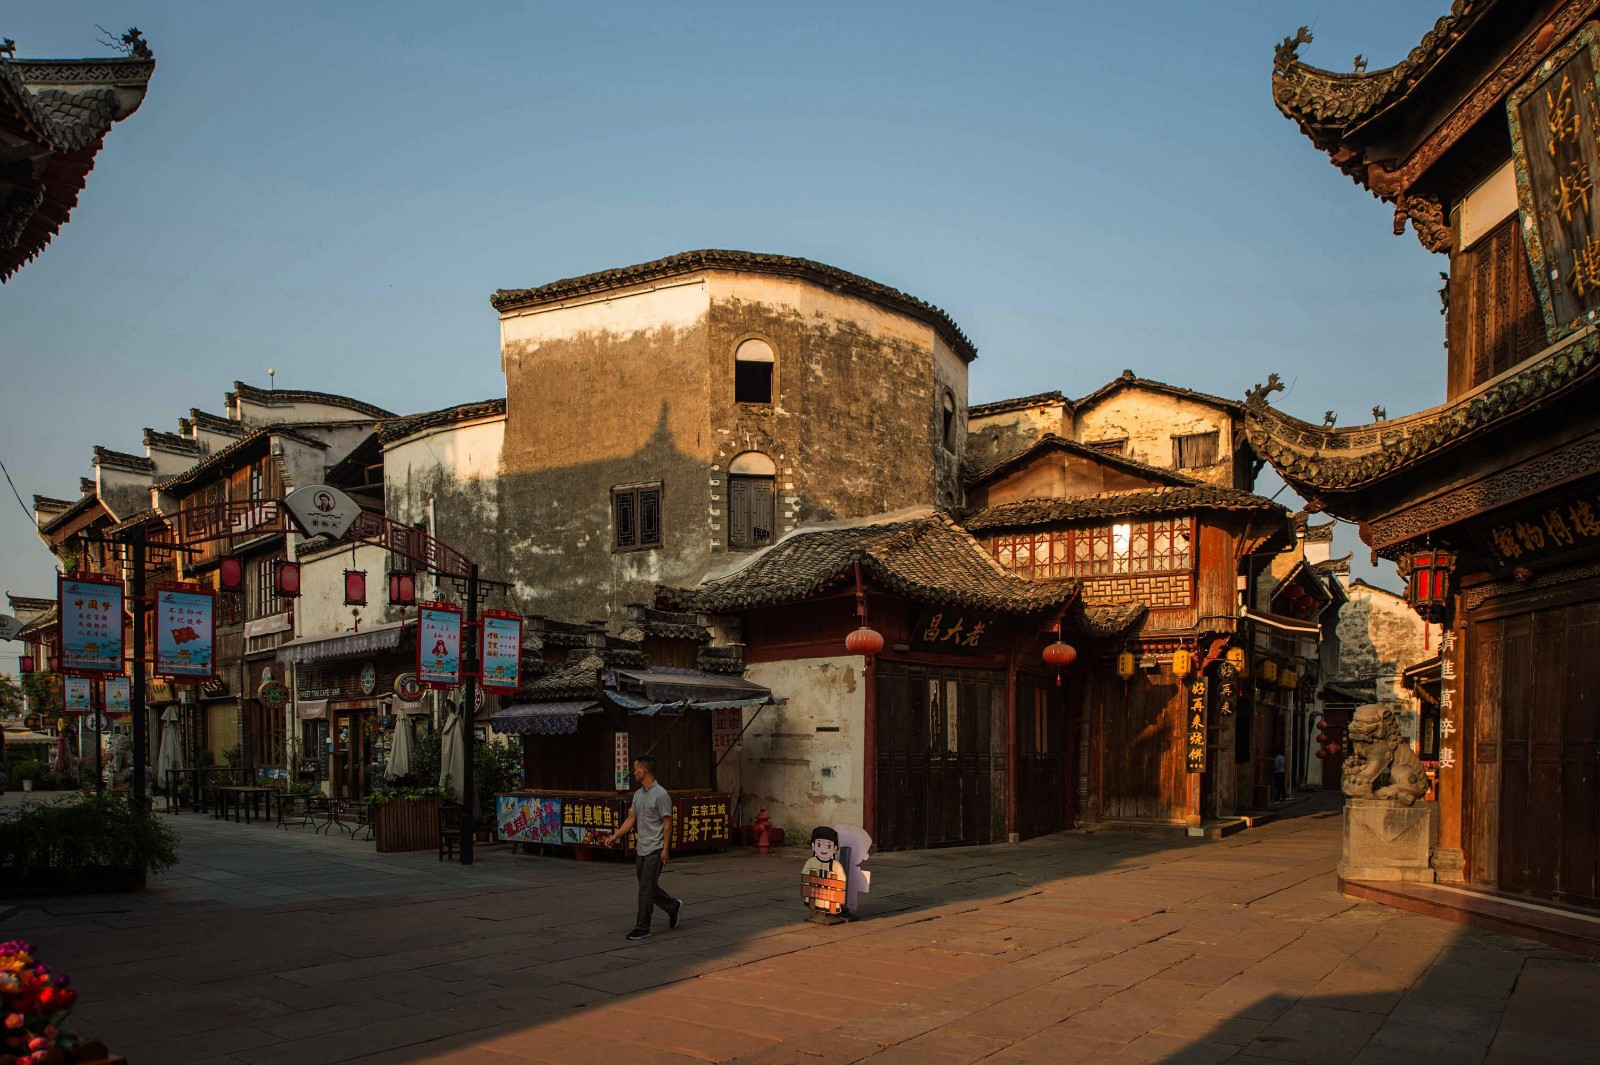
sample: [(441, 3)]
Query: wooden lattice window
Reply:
[(1193, 450), (1161, 546), (1495, 318), (636, 517)]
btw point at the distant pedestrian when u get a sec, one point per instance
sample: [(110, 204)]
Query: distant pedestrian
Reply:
[(652, 813), (1280, 778)]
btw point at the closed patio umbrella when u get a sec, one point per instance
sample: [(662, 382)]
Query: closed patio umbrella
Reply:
[(451, 756), (399, 763), (60, 765), (170, 755)]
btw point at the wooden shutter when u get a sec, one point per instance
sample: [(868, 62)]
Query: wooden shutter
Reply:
[(625, 518), (738, 512), (762, 523), (1495, 318), (649, 517)]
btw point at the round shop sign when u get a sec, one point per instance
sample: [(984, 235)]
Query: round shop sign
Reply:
[(273, 694), (369, 679), (407, 688)]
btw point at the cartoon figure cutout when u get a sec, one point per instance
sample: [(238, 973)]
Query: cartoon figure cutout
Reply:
[(832, 878)]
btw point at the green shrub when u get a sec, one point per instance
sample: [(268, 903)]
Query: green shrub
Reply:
[(85, 831), (31, 769), (496, 768), (387, 795)]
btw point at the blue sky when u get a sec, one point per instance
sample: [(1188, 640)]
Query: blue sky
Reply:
[(334, 190)]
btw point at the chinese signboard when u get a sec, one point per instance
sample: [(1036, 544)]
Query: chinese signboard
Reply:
[(700, 820), (119, 695), (1227, 688), (322, 511), (623, 765), (727, 724), (75, 693), (1195, 716), (590, 821), (185, 627), (1553, 117), (1560, 527), (528, 819), (91, 625), (1447, 700), (501, 658), (950, 630), (439, 645)]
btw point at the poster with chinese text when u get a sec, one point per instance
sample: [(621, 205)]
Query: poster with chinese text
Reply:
[(185, 634), (75, 694), (439, 645), (119, 695), (501, 658), (91, 625)]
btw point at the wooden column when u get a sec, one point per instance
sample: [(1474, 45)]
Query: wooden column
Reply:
[(1011, 743)]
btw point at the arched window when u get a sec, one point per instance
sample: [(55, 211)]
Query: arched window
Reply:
[(752, 372), (751, 512), (947, 424)]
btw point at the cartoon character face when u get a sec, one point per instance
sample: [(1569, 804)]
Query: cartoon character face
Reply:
[(824, 850)]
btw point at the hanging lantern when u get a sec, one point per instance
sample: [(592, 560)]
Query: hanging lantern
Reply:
[(1182, 663), (1288, 679), (1239, 661), (864, 641), (61, 724), (1269, 671), (1060, 655), (286, 579), (55, 663), (1125, 664), (355, 587), (28, 664), (1427, 577), (230, 573), (1322, 752), (402, 589)]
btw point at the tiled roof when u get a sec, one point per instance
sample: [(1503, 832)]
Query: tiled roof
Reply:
[(398, 428), (1128, 379), (1052, 442), (1138, 502), (121, 460), (1002, 406), (283, 396), (1322, 459), (748, 262), (64, 108), (1104, 622), (1334, 566), (41, 623), (170, 442), (144, 517), (930, 559), (82, 506), (29, 603), (215, 423), (576, 680), (221, 458)]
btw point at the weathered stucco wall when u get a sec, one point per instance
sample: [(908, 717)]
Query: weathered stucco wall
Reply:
[(321, 611), (788, 763), (1149, 420), (1379, 636), (992, 437), (1057, 476)]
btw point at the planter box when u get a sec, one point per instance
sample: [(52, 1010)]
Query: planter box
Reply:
[(406, 825), (85, 881)]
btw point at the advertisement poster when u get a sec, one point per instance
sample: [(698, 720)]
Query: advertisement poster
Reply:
[(727, 728), (588, 822), (439, 645), (119, 695), (184, 634), (501, 658), (75, 694), (528, 820), (91, 626), (624, 764)]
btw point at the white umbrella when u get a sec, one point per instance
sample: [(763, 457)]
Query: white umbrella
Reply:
[(452, 755), (399, 763), (170, 755)]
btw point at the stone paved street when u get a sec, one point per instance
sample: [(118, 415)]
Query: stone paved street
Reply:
[(272, 945)]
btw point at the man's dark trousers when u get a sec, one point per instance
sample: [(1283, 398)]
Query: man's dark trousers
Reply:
[(648, 868)]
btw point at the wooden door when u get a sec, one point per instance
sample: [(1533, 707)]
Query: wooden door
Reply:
[(1046, 758), (1539, 767), (937, 783), (1144, 773)]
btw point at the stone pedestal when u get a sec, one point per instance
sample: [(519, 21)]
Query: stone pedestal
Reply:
[(1385, 841)]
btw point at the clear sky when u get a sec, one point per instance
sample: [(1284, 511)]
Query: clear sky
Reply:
[(334, 189)]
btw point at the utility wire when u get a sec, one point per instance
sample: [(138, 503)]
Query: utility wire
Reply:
[(16, 493)]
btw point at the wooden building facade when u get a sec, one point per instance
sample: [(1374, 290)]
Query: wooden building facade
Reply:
[(1484, 139)]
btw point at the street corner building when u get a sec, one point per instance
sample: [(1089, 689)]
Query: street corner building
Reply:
[(54, 117), (1484, 139)]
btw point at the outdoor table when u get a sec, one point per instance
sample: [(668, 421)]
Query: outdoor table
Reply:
[(337, 810), (173, 800), (299, 809), (244, 798)]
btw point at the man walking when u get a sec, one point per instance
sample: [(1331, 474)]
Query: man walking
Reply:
[(1280, 777), (652, 813)]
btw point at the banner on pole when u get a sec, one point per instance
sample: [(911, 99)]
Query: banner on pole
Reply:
[(119, 695), (90, 613), (75, 694), (500, 663), (438, 645), (185, 633)]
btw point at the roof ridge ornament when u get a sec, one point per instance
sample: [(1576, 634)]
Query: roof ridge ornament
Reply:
[(1257, 396), (1289, 51)]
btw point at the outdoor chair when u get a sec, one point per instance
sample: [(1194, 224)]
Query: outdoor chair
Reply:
[(449, 831)]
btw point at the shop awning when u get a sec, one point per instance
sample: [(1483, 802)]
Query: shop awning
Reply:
[(663, 685), (385, 637), (311, 709), (542, 719)]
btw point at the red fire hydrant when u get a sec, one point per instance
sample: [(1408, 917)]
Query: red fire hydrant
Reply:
[(760, 829)]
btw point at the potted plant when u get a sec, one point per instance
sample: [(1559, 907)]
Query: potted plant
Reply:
[(497, 769), (34, 1003), (85, 843), (406, 819), (28, 773)]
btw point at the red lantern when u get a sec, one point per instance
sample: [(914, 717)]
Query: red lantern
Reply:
[(27, 663), (286, 579), (55, 663), (864, 641), (1427, 575), (230, 573), (355, 587), (1060, 655), (402, 589), (1322, 753)]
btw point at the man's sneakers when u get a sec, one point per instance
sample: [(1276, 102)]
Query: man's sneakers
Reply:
[(639, 933), (672, 915)]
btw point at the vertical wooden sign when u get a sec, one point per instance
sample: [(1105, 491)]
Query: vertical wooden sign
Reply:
[(1195, 714)]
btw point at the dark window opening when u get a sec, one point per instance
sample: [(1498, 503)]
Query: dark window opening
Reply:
[(1195, 449), (1111, 447), (947, 431), (752, 382), (751, 513), (636, 518)]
